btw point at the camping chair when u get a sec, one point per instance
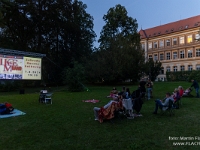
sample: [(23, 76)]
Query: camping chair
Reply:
[(110, 112), (48, 98), (188, 94), (128, 106), (170, 108), (42, 96), (177, 103)]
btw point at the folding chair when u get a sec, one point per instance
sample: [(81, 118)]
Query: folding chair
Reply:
[(188, 93), (170, 108), (177, 103), (48, 98)]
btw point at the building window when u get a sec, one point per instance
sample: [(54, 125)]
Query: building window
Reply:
[(162, 71), (161, 56), (175, 69), (197, 67), (182, 68), (155, 44), (174, 41), (189, 67), (189, 38), (150, 56), (143, 46), (181, 40), (155, 57), (168, 42), (197, 52), (150, 45), (161, 43), (182, 55), (175, 55), (168, 56), (197, 37), (189, 53), (168, 69)]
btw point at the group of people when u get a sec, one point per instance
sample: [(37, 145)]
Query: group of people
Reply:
[(175, 97), (147, 86), (125, 99), (125, 92)]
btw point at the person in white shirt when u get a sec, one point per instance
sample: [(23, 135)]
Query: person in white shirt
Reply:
[(163, 104)]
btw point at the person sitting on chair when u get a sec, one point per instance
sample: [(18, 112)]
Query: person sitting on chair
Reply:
[(187, 91), (113, 92), (176, 95), (116, 99), (162, 104), (128, 93), (181, 91)]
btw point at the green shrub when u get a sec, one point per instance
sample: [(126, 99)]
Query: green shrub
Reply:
[(194, 75), (74, 77)]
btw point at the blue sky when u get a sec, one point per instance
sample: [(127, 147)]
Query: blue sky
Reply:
[(148, 13)]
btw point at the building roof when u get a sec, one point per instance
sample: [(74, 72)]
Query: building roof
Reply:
[(172, 27)]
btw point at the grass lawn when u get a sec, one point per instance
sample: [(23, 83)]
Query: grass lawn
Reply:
[(68, 124)]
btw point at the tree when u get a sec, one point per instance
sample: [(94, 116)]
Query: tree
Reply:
[(153, 68), (61, 29), (119, 55)]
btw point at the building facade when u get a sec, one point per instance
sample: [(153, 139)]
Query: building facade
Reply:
[(175, 45)]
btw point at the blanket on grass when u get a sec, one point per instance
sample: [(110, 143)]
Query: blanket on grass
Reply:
[(91, 101), (16, 112)]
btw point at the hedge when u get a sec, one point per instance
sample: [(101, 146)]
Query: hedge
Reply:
[(183, 75)]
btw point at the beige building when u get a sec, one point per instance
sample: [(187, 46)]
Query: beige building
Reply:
[(174, 44)]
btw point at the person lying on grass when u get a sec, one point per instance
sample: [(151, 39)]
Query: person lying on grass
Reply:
[(163, 104), (6, 108)]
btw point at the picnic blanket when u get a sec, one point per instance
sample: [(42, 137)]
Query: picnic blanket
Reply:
[(91, 101), (16, 112)]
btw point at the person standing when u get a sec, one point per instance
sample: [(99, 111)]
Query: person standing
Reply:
[(149, 88), (142, 85), (196, 86)]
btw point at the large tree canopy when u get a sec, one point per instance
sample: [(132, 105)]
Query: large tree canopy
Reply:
[(119, 56), (62, 29)]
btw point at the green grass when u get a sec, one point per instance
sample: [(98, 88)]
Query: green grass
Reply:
[(68, 124)]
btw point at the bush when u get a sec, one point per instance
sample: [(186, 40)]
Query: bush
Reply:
[(183, 75), (178, 76), (8, 85), (74, 77), (194, 75)]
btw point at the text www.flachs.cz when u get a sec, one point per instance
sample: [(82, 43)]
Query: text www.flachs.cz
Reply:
[(186, 143)]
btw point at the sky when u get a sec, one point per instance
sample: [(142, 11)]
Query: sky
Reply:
[(148, 13)]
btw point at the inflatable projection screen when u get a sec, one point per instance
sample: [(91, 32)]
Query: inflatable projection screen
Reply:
[(20, 67)]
